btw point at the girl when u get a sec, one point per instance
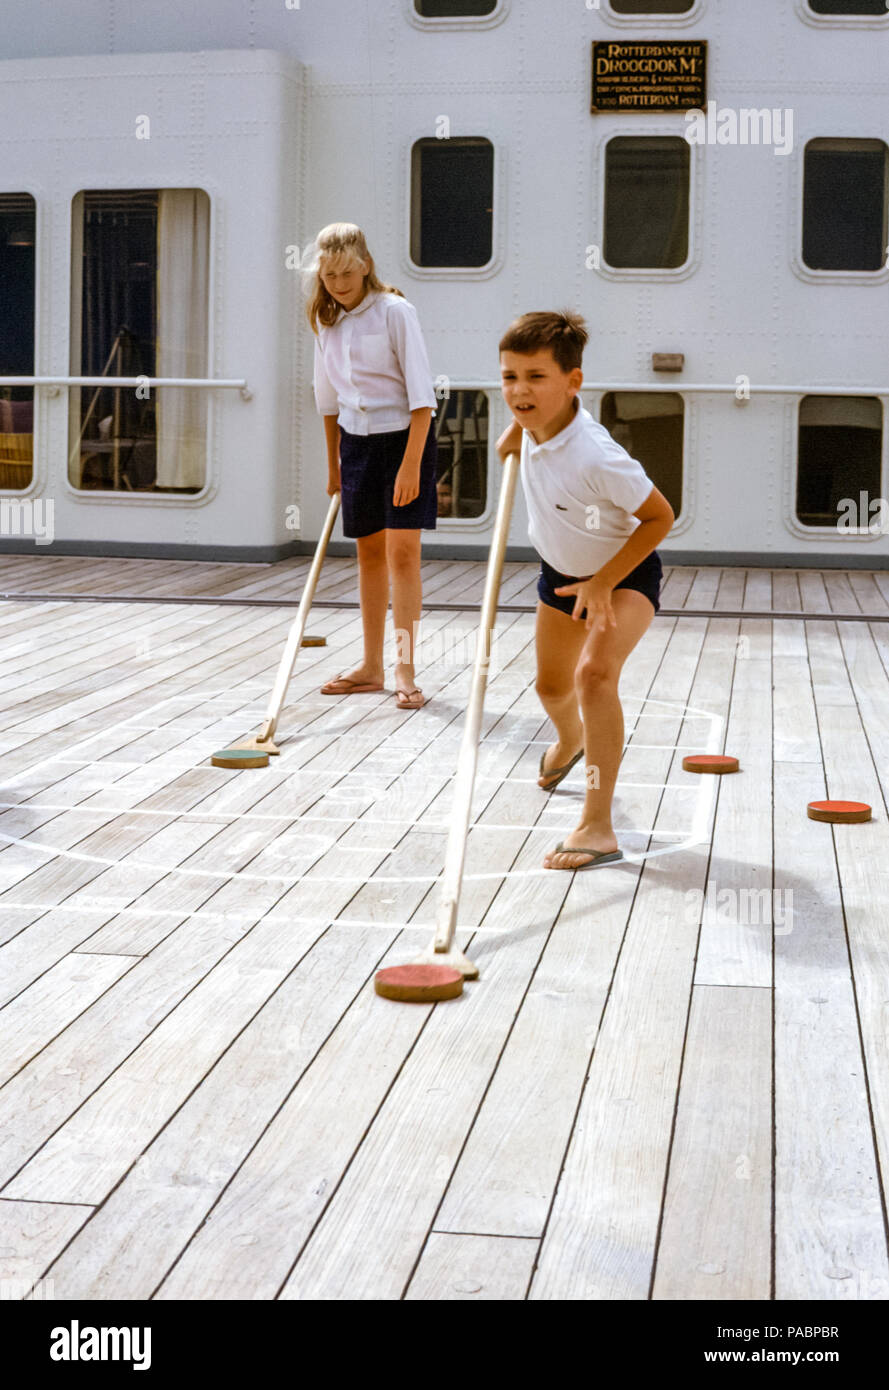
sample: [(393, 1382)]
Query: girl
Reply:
[(374, 389)]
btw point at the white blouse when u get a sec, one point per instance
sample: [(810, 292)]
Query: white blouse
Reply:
[(371, 366)]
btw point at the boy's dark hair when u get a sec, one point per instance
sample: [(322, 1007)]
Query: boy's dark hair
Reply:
[(564, 333)]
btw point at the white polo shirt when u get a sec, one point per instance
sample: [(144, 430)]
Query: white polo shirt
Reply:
[(371, 367), (581, 488)]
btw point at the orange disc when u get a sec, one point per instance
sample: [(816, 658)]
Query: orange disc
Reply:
[(710, 762), (418, 984), (839, 812)]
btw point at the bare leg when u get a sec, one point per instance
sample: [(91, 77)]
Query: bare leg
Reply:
[(596, 679), (559, 642), (403, 558), (373, 591)]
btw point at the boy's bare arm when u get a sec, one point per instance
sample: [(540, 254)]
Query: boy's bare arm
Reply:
[(655, 518)]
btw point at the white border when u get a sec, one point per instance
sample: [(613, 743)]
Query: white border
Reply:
[(675, 20), (457, 525), (840, 21), (498, 240), (831, 534), (467, 21), (37, 471), (795, 226), (155, 499), (650, 274)]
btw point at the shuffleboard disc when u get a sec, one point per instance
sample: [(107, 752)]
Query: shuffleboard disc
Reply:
[(240, 757), (710, 762), (418, 984), (839, 812), (314, 642)]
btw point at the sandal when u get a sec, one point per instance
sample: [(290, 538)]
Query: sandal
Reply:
[(558, 773), (341, 685), (407, 699), (595, 856)]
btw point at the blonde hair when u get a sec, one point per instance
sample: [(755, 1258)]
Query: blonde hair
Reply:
[(341, 241)]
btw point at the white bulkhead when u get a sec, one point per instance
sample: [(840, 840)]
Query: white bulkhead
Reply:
[(165, 175)]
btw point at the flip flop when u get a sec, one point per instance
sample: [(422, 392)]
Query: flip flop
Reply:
[(406, 698), (596, 856), (559, 773), (341, 685)]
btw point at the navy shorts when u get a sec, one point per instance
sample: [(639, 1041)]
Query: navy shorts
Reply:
[(368, 465), (645, 579)]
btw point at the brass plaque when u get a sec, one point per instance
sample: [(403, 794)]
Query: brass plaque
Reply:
[(649, 75)]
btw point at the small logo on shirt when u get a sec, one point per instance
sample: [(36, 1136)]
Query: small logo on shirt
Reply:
[(560, 509)]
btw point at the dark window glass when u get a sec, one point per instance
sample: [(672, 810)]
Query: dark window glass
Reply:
[(17, 222), (461, 429), (840, 444), (651, 6), (844, 204), (646, 202), (453, 9), (848, 6), (140, 299), (649, 425), (452, 200)]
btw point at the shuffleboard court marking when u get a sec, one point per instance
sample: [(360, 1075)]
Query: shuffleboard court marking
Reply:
[(698, 834)]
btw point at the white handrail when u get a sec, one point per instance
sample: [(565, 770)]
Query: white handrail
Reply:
[(150, 381), (681, 388)]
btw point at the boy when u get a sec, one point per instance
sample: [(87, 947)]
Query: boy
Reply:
[(595, 519)]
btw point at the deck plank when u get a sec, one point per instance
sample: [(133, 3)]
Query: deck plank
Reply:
[(716, 1235), (470, 1268), (197, 1072)]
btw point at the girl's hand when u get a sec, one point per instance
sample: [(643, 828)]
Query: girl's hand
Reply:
[(333, 483), (510, 441), (595, 597), (407, 484)]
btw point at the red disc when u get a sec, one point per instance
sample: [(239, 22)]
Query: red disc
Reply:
[(710, 762), (839, 812), (418, 984)]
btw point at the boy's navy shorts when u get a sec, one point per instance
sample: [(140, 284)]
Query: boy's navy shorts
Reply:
[(368, 465), (645, 579)]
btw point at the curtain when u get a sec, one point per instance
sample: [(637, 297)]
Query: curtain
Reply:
[(183, 253)]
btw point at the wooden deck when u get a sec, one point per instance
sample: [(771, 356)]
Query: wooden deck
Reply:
[(671, 1079)]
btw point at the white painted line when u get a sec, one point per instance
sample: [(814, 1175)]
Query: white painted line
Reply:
[(207, 914)]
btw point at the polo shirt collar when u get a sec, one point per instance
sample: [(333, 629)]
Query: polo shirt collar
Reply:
[(564, 436), (366, 302)]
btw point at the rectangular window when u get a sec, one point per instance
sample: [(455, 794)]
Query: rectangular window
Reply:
[(844, 204), (17, 224), (848, 6), (453, 9), (649, 425), (651, 6), (452, 202), (461, 429), (646, 202), (839, 451), (140, 300)]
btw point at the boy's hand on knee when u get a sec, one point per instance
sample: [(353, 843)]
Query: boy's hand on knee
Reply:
[(510, 441), (595, 597)]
